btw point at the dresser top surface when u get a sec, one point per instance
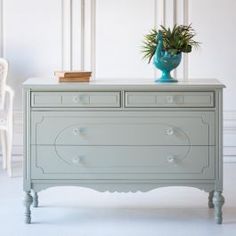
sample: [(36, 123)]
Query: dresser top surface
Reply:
[(53, 83)]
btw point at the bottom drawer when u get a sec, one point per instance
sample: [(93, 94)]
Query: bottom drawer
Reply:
[(122, 162)]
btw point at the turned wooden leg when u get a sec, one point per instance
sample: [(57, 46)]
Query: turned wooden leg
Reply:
[(210, 199), (218, 201), (35, 200), (28, 201)]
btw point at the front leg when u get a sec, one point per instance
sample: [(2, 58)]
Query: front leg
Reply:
[(36, 200), (210, 199), (218, 201), (28, 201)]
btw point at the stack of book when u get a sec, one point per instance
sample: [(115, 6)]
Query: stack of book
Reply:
[(73, 76)]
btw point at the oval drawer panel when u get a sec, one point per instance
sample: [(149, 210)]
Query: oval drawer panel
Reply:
[(123, 162), (127, 128), (169, 99)]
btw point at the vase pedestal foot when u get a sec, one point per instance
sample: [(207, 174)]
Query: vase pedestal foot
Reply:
[(166, 78)]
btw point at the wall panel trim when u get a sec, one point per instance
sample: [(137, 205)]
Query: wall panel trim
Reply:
[(159, 19), (230, 122), (230, 135), (77, 34), (73, 34), (185, 56), (66, 34), (174, 23), (1, 29), (93, 37), (82, 42), (160, 12)]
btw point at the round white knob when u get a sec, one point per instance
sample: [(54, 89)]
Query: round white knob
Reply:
[(170, 131), (76, 131), (76, 160), (170, 99), (171, 159), (75, 99)]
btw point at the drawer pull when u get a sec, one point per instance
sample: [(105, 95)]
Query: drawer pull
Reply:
[(77, 160), (77, 131), (171, 159), (170, 99), (170, 131), (75, 99)]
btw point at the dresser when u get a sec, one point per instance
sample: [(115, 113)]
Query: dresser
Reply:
[(123, 136)]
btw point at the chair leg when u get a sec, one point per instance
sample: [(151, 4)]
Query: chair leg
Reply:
[(4, 148), (9, 151)]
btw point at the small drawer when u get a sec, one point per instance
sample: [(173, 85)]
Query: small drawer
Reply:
[(169, 99), (75, 99)]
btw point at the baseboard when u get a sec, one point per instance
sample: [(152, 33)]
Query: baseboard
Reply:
[(230, 159), (17, 150), (230, 122)]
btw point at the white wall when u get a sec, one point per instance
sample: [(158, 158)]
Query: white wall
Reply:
[(215, 23), (40, 36), (31, 42)]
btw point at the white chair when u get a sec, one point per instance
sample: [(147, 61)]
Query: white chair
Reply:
[(6, 117)]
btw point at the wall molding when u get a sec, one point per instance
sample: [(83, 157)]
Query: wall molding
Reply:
[(185, 59), (161, 12), (159, 19), (175, 12), (72, 32), (230, 122), (158, 13), (229, 126), (82, 43), (185, 55), (77, 34), (181, 14), (1, 30), (66, 34), (79, 31), (93, 37)]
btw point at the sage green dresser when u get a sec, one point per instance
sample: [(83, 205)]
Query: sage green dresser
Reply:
[(123, 136)]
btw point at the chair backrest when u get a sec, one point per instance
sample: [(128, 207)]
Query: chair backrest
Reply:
[(3, 77)]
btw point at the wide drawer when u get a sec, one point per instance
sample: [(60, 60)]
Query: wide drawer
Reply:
[(122, 162), (169, 99), (75, 99), (123, 128)]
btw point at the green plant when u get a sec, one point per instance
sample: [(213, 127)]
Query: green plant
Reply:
[(179, 39)]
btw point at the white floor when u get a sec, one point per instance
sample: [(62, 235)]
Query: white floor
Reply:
[(73, 211)]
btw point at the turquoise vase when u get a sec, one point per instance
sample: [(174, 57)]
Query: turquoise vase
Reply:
[(165, 62)]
